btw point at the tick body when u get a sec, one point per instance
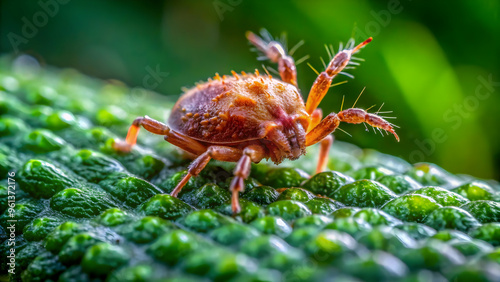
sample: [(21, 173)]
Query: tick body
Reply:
[(245, 118)]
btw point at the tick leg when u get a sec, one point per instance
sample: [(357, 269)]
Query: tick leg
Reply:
[(148, 123), (275, 52), (185, 143), (221, 153), (324, 79), (253, 153), (188, 144), (353, 115), (324, 150)]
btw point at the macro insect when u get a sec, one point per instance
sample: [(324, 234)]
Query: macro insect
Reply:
[(245, 118)]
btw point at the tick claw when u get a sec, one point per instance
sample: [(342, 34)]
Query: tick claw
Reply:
[(235, 204), (395, 135), (237, 185), (121, 146)]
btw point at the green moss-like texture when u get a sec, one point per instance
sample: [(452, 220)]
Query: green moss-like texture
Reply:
[(88, 213)]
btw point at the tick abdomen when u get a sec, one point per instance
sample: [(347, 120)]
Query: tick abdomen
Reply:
[(236, 108)]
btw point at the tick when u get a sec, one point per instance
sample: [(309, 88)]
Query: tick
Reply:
[(245, 118)]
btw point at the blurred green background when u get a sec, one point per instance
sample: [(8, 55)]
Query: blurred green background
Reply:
[(435, 64)]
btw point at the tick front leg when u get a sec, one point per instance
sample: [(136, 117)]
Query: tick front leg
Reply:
[(324, 150), (276, 53), (148, 123), (326, 143), (324, 79), (316, 117), (185, 143), (353, 115)]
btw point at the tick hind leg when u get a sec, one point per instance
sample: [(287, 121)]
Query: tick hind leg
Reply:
[(156, 127), (149, 124), (324, 80), (276, 53), (353, 115), (324, 150)]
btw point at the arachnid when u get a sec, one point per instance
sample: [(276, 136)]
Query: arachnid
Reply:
[(249, 117)]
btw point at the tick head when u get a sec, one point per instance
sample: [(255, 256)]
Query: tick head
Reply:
[(288, 134)]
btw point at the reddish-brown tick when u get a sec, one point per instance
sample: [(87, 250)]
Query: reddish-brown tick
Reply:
[(246, 118)]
